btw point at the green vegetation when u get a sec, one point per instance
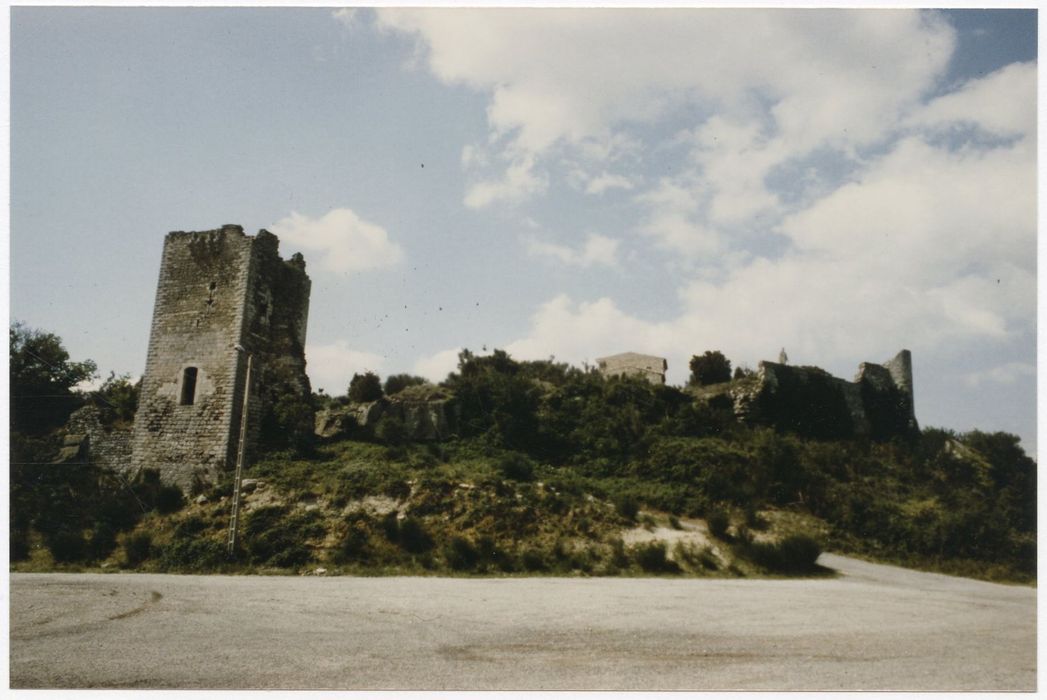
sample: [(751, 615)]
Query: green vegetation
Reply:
[(711, 367), (555, 470)]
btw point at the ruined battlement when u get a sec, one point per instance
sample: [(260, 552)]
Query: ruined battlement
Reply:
[(810, 401), (217, 289)]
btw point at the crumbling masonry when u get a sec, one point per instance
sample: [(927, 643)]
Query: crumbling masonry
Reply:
[(810, 401), (218, 289)]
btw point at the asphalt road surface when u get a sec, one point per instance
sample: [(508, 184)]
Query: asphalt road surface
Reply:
[(874, 627)]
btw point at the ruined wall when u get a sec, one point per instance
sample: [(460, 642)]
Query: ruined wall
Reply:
[(811, 402), (216, 289), (108, 448)]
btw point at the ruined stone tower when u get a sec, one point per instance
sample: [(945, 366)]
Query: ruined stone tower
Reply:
[(218, 289)]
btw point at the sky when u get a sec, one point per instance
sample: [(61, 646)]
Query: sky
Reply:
[(557, 183)]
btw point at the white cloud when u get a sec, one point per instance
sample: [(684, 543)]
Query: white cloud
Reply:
[(674, 220), (331, 366), (436, 367), (607, 181), (340, 240), (562, 78), (1008, 373), (1003, 103), (519, 182), (598, 250), (577, 332), (926, 249)]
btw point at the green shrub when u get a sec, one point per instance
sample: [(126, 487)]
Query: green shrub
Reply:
[(619, 554), (651, 557), (103, 540), (696, 557), (395, 383), (19, 543), (413, 536), (460, 554), (516, 467), (356, 544), (711, 367), (66, 545), (276, 536), (794, 554), (718, 523), (169, 499), (674, 522), (195, 553), (390, 525), (533, 559), (391, 430), (137, 548), (364, 388), (627, 506)]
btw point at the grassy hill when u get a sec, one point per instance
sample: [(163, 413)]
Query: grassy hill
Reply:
[(557, 470)]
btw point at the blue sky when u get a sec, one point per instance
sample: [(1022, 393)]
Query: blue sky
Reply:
[(556, 183)]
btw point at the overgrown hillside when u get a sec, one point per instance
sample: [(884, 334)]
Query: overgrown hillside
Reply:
[(556, 469)]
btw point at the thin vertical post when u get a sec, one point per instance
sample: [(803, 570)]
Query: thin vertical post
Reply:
[(234, 522)]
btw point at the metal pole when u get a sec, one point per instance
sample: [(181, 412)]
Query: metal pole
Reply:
[(234, 523)]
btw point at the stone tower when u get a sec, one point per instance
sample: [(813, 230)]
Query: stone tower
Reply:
[(217, 289)]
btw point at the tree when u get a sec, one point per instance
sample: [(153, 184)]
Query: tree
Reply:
[(396, 383), (710, 368), (117, 398), (365, 387), (42, 380)]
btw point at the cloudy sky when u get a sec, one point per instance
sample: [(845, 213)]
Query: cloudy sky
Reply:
[(840, 183)]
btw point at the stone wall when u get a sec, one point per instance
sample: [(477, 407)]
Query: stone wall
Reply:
[(650, 367), (427, 413), (108, 448), (217, 289), (809, 401)]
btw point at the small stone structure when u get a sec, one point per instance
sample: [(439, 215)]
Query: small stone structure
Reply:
[(88, 439), (631, 363), (218, 289), (812, 402)]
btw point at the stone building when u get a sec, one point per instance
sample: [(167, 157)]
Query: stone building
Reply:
[(218, 289), (631, 363)]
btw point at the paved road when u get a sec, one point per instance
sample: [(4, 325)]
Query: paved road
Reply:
[(875, 627)]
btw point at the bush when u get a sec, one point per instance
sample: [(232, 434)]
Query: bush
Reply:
[(356, 544), (137, 548), (103, 541), (533, 559), (364, 388), (193, 553), (696, 557), (169, 499), (516, 467), (275, 536), (651, 557), (396, 383), (710, 368), (66, 545), (794, 554), (718, 523), (413, 537), (460, 554), (627, 506), (390, 430)]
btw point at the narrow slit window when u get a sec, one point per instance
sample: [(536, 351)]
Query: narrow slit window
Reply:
[(188, 386)]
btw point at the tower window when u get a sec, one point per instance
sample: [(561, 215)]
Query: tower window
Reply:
[(188, 386)]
